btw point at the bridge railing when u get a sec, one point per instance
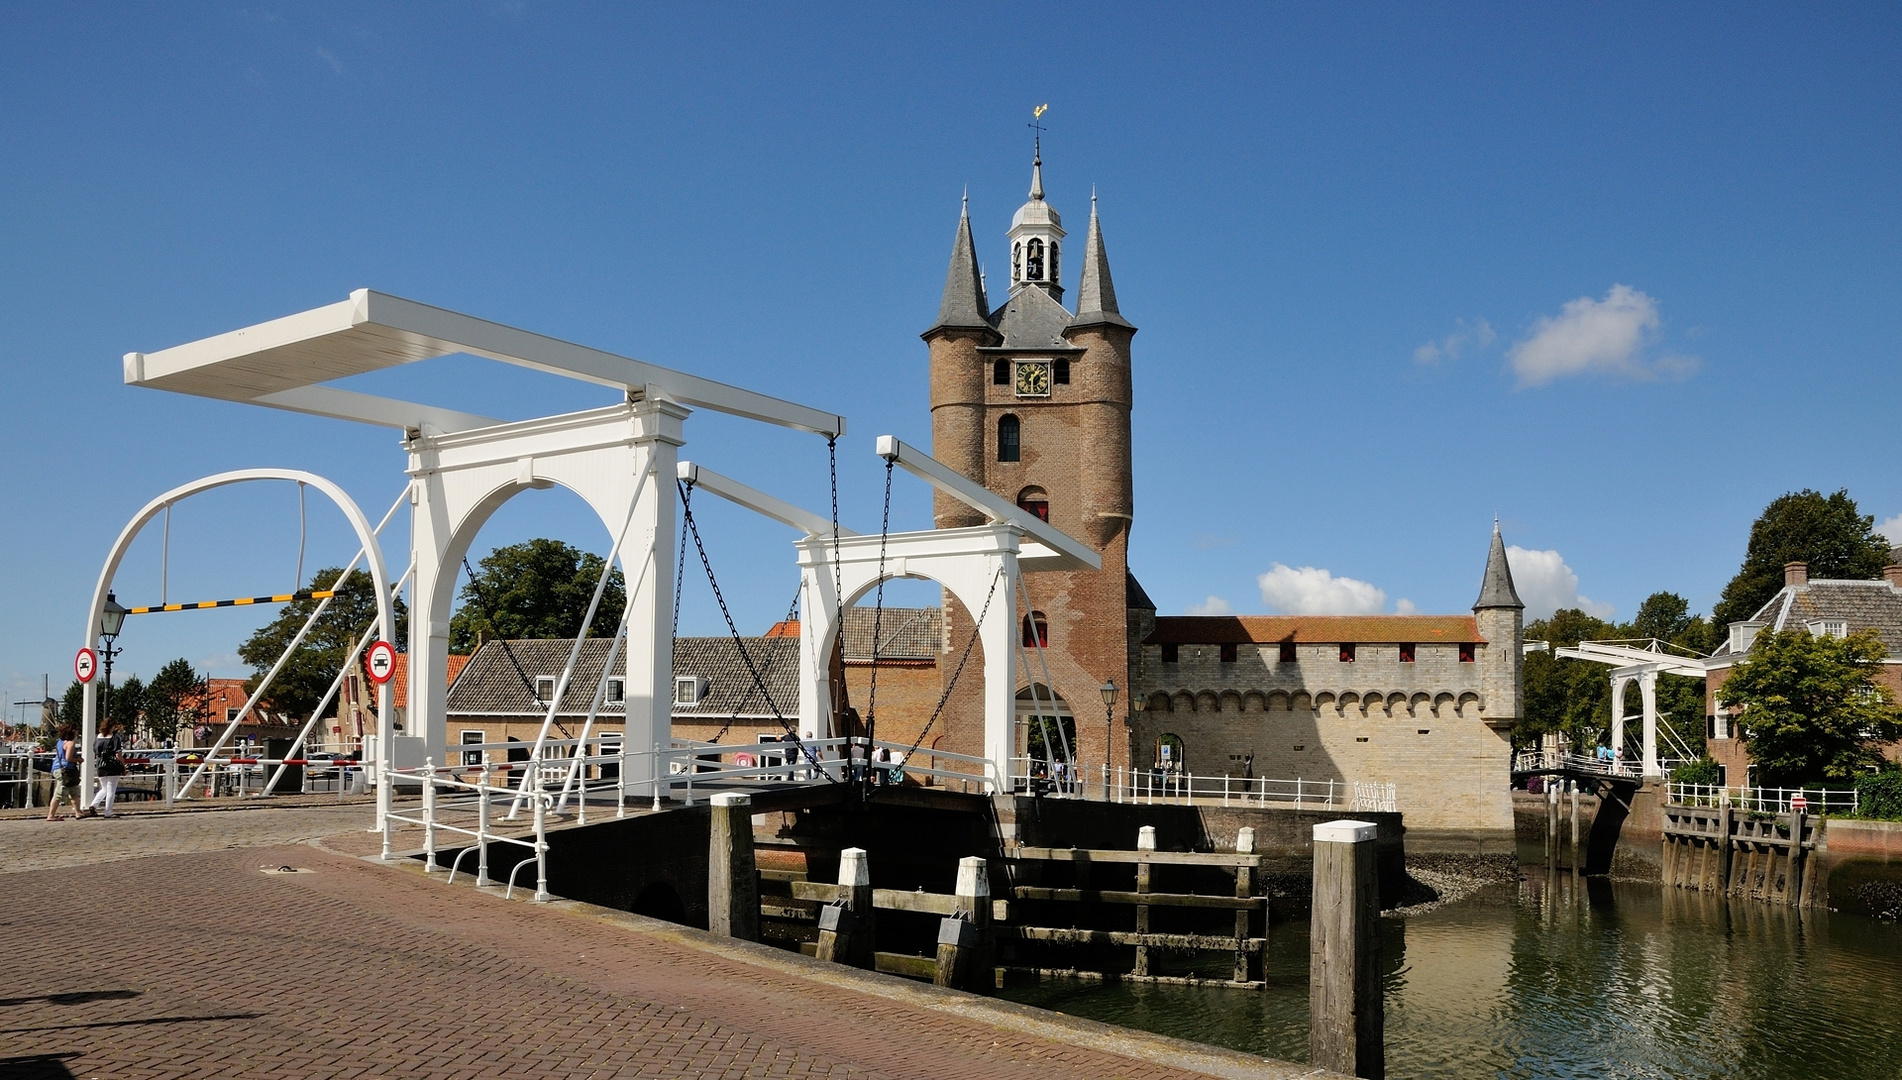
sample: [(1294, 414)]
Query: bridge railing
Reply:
[(1533, 761), (1764, 800)]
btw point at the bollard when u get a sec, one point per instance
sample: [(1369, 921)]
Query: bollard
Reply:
[(657, 776), (846, 927), (732, 883), (541, 839), (1345, 1014), (482, 830), (1245, 889), (965, 941), (429, 816)]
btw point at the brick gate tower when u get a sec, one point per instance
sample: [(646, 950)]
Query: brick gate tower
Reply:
[(1033, 402)]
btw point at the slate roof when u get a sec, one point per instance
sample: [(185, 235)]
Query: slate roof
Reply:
[(1096, 294), (1133, 594), (1495, 589), (904, 633), (1863, 605), (1032, 319), (1312, 629), (491, 686), (963, 306)]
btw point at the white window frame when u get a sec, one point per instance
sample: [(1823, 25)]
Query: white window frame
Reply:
[(694, 688), (545, 688), (472, 757), (617, 691)]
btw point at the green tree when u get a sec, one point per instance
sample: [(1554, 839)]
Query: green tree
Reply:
[(314, 665), (72, 704), (1812, 707), (174, 699), (1569, 696), (1828, 532), (538, 589), (127, 704)]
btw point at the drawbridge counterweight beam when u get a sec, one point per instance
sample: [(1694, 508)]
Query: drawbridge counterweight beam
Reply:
[(242, 601)]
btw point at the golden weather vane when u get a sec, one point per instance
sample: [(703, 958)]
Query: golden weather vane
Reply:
[(1036, 122)]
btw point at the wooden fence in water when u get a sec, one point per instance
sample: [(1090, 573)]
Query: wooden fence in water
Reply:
[(1751, 856)]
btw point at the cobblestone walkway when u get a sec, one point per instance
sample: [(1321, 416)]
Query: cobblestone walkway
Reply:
[(198, 964)]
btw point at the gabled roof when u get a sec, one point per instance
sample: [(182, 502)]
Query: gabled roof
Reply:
[(491, 685), (1031, 319), (1313, 629), (1863, 605)]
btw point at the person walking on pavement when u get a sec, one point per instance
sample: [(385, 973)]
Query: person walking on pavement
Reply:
[(66, 760), (108, 767)]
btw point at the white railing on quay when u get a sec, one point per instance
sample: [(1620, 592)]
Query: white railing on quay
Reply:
[(448, 804), (1759, 800), (1158, 786), (156, 773)]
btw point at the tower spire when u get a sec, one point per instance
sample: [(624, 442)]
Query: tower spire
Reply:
[(964, 306), (1497, 591), (1096, 293), (1036, 170)]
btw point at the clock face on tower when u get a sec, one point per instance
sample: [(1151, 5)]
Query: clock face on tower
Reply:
[(1033, 379)]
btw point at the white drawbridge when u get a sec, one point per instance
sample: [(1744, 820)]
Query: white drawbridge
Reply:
[(1640, 661)]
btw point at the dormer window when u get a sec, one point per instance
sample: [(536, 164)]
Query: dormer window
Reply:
[(689, 689), (544, 689), (1033, 260), (1836, 628)]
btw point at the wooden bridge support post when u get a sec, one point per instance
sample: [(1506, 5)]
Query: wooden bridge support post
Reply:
[(1552, 823), (1797, 862), (1721, 880), (847, 933), (1145, 841), (966, 950), (1345, 1013), (1577, 865), (1245, 888), (732, 882)]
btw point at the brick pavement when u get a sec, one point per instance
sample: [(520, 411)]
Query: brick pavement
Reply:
[(197, 964)]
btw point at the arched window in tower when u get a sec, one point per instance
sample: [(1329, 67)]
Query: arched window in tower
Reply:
[(1000, 373), (1009, 439), (1053, 260), (1033, 260), (1060, 372), (1017, 261), (1036, 501), (1036, 631)]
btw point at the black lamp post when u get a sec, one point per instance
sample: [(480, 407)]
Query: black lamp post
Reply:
[(1108, 690), (111, 621)]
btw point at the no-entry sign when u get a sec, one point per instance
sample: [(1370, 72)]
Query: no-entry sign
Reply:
[(85, 664), (381, 662)]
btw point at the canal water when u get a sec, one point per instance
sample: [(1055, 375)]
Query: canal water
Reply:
[(1611, 979)]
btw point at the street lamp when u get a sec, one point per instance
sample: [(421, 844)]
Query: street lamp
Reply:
[(111, 621)]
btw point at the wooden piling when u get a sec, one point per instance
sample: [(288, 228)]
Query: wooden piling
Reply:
[(847, 932), (1346, 1016), (966, 952), (1552, 824), (1244, 890), (1577, 866), (732, 882), (1145, 841)]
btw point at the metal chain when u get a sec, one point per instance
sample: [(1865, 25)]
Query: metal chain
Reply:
[(976, 630), (739, 643), (878, 608)]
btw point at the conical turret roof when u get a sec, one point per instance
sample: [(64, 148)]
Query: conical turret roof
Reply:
[(1496, 590), (1096, 293), (963, 306)]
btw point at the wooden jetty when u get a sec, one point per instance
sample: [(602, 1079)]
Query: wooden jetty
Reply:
[(1751, 856)]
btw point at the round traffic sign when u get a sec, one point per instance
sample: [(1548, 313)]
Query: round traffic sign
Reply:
[(85, 664), (381, 662)]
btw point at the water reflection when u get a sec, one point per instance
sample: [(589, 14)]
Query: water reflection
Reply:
[(1576, 978)]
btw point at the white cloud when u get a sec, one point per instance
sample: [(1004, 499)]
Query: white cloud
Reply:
[(1892, 529), (1479, 335), (1596, 337), (1546, 584), (1314, 591), (1214, 605), (1404, 606)]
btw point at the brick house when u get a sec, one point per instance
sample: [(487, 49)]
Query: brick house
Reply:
[(1829, 606)]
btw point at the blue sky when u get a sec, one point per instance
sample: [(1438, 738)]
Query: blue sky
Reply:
[(1620, 274)]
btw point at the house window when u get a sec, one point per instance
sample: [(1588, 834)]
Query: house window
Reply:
[(1230, 653), (688, 690), (1406, 652), (617, 691), (1060, 373), (1171, 653), (472, 738), (1837, 628), (545, 689), (1347, 652), (1287, 652), (1037, 630), (1009, 439), (1000, 373), (1467, 652), (1035, 501)]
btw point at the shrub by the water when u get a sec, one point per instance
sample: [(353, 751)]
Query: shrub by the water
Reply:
[(1879, 795), (1701, 771)]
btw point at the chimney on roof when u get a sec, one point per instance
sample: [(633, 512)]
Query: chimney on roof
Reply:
[(1892, 574), (1796, 573)]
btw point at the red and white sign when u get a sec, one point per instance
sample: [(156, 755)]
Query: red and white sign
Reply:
[(85, 665), (381, 662), (1799, 802)]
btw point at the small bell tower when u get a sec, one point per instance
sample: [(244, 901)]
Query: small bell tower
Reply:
[(1036, 239)]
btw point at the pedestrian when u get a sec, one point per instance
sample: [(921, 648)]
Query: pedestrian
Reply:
[(858, 760), (107, 767), (66, 758)]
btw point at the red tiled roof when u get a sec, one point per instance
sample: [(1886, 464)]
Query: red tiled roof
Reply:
[(1311, 629), (400, 680)]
